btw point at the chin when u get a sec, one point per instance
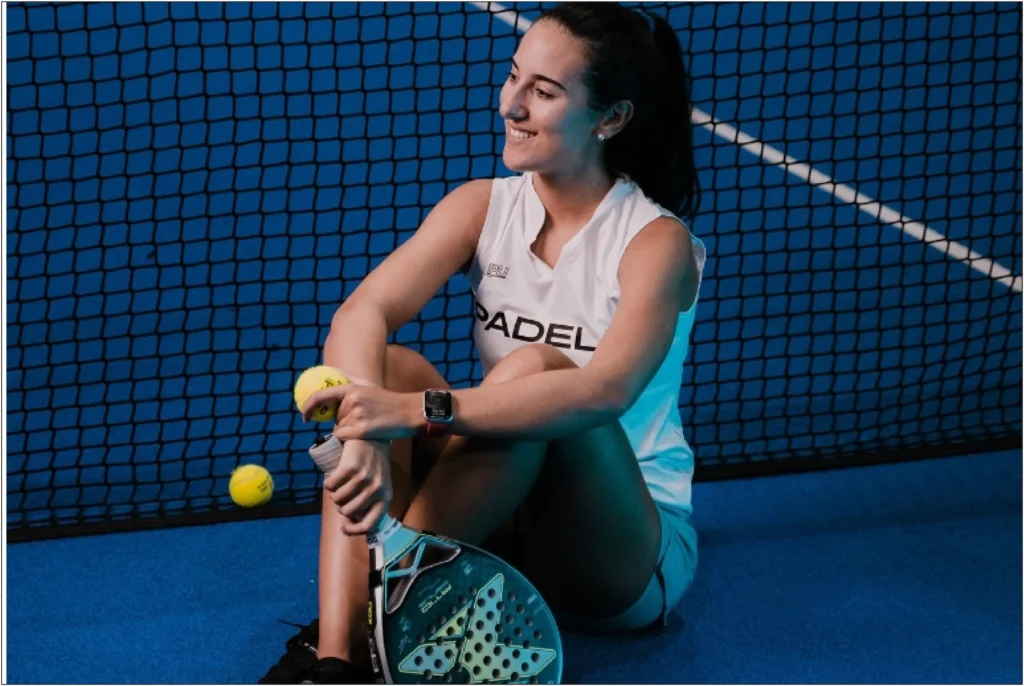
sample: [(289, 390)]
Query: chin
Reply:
[(518, 163), (512, 163)]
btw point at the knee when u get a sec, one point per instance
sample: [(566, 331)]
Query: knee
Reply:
[(529, 359), (406, 371), (400, 365)]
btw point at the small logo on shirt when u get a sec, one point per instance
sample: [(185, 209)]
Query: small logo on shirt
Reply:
[(498, 270)]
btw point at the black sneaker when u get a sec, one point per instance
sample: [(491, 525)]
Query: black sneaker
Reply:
[(331, 670), (298, 665)]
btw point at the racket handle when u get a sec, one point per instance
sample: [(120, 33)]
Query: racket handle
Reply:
[(326, 453)]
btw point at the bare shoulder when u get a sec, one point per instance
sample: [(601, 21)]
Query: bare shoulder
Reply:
[(665, 241), (473, 196), (660, 259), (461, 212)]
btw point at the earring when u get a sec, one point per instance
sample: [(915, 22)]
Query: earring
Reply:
[(600, 137)]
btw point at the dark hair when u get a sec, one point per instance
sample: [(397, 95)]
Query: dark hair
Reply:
[(636, 56)]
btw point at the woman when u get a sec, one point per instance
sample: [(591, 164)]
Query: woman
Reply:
[(585, 283)]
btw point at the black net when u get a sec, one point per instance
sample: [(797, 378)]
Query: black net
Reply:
[(194, 188)]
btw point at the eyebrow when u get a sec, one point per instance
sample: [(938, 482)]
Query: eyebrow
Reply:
[(541, 77)]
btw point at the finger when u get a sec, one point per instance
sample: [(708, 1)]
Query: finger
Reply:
[(325, 396), (345, 525), (340, 476), (346, 492), (361, 502), (368, 522), (350, 430)]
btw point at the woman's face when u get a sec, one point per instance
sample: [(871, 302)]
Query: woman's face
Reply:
[(549, 126)]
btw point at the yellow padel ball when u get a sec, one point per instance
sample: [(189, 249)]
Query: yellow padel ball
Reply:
[(314, 379), (251, 486)]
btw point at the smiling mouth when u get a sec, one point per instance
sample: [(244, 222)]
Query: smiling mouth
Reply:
[(520, 135)]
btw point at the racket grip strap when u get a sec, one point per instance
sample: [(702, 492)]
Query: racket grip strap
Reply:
[(326, 452)]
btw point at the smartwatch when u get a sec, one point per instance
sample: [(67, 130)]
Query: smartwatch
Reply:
[(438, 410)]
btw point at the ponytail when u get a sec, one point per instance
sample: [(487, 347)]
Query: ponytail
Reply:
[(636, 56), (676, 112)]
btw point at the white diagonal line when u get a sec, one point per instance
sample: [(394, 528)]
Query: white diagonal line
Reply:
[(882, 213), (509, 16)]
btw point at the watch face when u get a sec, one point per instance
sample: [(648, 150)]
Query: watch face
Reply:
[(437, 406)]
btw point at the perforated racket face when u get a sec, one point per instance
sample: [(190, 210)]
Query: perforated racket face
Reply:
[(456, 614)]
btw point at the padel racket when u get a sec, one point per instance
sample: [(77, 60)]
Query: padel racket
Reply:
[(442, 611)]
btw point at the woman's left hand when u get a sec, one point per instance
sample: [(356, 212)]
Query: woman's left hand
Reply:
[(369, 412)]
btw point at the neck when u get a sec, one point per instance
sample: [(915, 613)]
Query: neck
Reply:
[(570, 197)]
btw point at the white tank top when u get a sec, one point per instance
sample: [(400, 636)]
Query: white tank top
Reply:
[(520, 299)]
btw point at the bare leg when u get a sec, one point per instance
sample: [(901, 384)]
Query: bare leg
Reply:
[(593, 530), (345, 560)]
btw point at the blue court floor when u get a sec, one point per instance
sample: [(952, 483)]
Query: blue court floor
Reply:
[(905, 573)]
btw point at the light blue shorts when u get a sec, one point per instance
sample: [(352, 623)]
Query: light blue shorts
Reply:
[(677, 564)]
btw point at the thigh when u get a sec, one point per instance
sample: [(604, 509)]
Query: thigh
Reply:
[(591, 529), (413, 459)]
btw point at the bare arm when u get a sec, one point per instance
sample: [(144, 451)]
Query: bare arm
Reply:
[(401, 285), (658, 280)]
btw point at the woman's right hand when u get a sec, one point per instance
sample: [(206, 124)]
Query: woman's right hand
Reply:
[(360, 485)]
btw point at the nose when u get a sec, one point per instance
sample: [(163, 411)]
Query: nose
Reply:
[(511, 106)]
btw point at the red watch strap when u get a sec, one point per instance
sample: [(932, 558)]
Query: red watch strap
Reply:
[(435, 429)]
